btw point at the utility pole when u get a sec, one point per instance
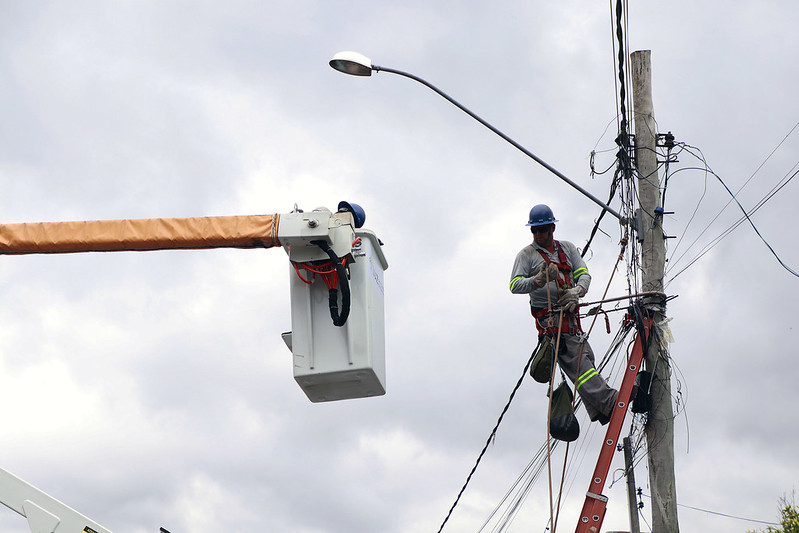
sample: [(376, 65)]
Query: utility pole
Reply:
[(632, 503), (659, 429)]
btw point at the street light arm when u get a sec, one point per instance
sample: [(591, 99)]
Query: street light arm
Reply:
[(521, 148)]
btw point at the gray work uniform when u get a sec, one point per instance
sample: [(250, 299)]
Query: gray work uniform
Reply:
[(576, 357)]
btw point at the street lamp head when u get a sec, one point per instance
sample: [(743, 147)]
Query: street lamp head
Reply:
[(352, 63)]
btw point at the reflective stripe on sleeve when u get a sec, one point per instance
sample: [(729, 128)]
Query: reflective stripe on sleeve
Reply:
[(579, 272), (514, 281)]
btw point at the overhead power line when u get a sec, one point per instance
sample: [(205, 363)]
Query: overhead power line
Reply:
[(725, 515), (488, 441), (746, 215), (787, 178)]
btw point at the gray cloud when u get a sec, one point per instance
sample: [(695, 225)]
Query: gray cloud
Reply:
[(153, 389)]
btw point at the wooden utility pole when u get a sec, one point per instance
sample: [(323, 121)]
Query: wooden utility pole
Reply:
[(660, 425)]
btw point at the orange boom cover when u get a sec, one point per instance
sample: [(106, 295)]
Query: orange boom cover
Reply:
[(256, 231)]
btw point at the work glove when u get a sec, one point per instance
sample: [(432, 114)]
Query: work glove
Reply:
[(550, 270), (568, 299)]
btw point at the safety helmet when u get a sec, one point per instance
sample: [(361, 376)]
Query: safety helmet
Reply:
[(541, 215), (358, 214)]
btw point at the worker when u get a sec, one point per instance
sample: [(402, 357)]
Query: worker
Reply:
[(560, 263)]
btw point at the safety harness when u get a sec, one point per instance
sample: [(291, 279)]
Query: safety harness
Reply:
[(570, 323)]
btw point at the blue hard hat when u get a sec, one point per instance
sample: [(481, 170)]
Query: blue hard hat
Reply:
[(541, 215), (357, 212)]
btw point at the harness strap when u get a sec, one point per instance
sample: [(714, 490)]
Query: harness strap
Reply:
[(565, 274), (570, 323)]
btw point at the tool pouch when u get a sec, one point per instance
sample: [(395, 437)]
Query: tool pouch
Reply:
[(543, 358), (563, 425)]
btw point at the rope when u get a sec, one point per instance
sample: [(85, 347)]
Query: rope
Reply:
[(551, 380), (579, 363), (549, 422), (623, 244), (552, 519)]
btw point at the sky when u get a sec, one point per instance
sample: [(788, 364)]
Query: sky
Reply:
[(153, 389)]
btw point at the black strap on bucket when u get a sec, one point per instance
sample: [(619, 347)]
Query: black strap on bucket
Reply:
[(339, 319)]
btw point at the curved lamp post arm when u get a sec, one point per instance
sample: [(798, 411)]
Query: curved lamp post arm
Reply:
[(358, 65)]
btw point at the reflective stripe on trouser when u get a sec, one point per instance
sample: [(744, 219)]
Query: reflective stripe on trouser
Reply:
[(598, 397), (588, 374)]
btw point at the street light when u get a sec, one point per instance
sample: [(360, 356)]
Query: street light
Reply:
[(357, 64)]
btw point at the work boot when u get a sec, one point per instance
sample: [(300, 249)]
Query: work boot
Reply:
[(601, 418)]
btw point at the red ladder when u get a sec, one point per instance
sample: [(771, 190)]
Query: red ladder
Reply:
[(593, 512)]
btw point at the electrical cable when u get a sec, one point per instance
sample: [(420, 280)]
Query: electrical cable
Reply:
[(488, 441), (601, 215), (725, 515), (520, 489), (624, 164), (690, 219), (339, 318), (641, 515), (759, 166), (613, 51), (594, 172), (746, 215), (729, 230), (672, 263)]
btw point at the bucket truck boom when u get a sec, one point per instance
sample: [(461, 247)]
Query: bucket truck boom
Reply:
[(335, 360)]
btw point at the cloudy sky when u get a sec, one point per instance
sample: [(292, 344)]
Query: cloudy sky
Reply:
[(153, 389)]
